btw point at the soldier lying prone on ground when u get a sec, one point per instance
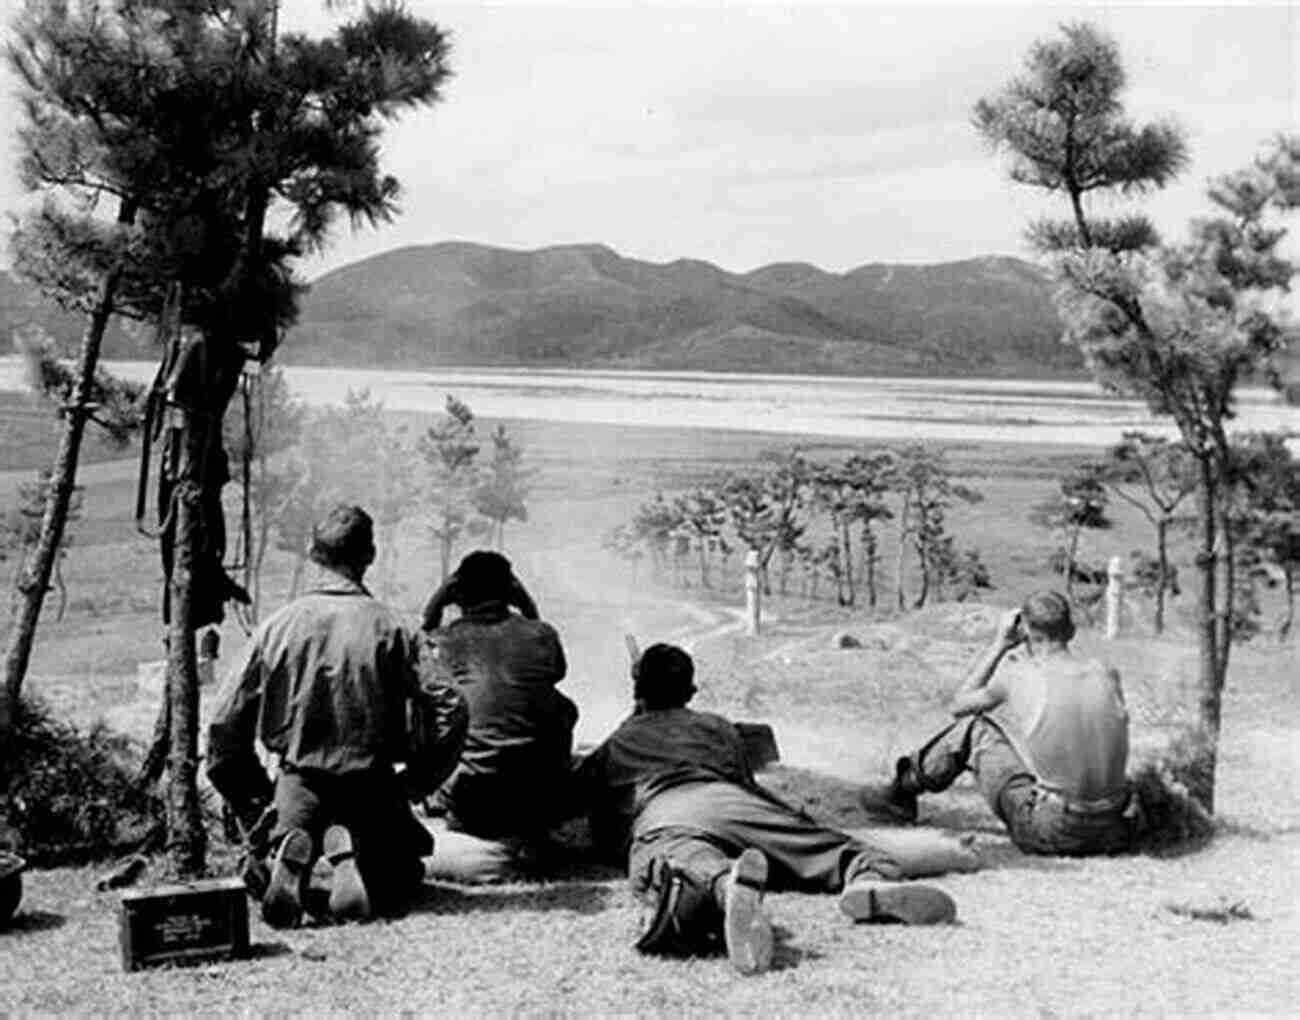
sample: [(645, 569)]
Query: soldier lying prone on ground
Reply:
[(703, 840)]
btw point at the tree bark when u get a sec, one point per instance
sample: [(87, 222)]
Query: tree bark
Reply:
[(902, 549), (851, 594), (1288, 580), (925, 575), (1210, 677), (1081, 221), (186, 838), (263, 516), (1071, 551), (35, 580), (155, 761), (1162, 560), (869, 564)]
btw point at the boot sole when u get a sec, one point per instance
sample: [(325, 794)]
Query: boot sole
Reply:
[(282, 902), (901, 903), (349, 900), (746, 928)]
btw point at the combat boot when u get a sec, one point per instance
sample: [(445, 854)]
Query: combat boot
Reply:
[(290, 870), (746, 928), (349, 899), (896, 800), (879, 902)]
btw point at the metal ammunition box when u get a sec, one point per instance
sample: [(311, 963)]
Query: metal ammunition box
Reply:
[(203, 920)]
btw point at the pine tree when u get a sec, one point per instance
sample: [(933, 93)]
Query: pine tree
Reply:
[(926, 490), (1155, 475), (1078, 505), (198, 120), (1177, 326), (450, 448), (1269, 478), (502, 492)]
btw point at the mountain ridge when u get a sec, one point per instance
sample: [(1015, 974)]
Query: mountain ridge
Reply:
[(588, 306)]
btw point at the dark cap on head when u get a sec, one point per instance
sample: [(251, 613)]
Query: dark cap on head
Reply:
[(483, 576), (664, 677), (1048, 613), (345, 538)]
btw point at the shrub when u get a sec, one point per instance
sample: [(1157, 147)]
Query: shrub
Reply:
[(1173, 821), (71, 796)]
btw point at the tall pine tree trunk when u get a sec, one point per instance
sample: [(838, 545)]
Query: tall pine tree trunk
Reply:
[(851, 594), (869, 564), (1071, 553), (1288, 581), (1162, 581), (1200, 778), (902, 550), (186, 838), (39, 568), (924, 560), (257, 560)]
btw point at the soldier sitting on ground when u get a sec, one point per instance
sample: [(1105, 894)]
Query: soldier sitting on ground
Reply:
[(673, 788), (329, 685), (510, 784), (1046, 738)]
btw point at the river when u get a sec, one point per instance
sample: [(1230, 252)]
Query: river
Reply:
[(884, 409)]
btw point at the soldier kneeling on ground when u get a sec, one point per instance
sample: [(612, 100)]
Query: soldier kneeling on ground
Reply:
[(329, 685), (704, 840)]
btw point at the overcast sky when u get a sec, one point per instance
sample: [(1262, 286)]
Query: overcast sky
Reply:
[(748, 134)]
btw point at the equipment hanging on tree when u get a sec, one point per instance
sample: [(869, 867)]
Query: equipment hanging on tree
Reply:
[(181, 390)]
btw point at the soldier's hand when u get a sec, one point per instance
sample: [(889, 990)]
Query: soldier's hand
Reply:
[(1010, 631)]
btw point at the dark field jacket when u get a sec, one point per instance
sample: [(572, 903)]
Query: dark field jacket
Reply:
[(512, 777), (650, 753)]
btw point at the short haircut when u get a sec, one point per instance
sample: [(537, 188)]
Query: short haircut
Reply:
[(665, 677), (345, 537), (1048, 613), (483, 576)]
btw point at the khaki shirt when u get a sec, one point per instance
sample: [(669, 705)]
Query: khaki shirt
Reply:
[(323, 683)]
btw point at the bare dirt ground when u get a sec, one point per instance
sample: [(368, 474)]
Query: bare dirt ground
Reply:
[(1036, 936)]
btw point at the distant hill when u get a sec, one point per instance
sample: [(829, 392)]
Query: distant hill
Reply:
[(21, 305), (587, 306)]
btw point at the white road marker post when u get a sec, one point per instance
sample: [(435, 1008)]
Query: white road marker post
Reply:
[(1114, 597), (753, 597)]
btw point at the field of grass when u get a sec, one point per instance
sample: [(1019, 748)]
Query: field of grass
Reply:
[(1035, 936)]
